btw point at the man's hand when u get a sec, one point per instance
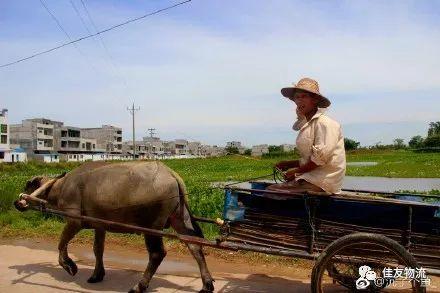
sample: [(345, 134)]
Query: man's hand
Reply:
[(285, 165), (282, 165), (290, 175)]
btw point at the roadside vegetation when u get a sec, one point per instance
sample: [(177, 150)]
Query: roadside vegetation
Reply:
[(199, 174)]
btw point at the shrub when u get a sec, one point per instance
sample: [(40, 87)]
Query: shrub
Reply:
[(350, 144)]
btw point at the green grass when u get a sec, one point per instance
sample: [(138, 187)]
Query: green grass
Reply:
[(198, 175), (395, 163)]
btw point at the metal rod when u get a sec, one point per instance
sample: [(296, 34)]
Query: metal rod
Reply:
[(267, 250), (355, 198), (409, 228), (247, 180), (393, 193), (154, 232), (204, 220), (311, 211)]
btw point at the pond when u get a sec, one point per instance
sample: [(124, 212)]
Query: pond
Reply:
[(391, 184), (361, 164)]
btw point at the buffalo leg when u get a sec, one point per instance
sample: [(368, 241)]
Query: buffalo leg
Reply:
[(188, 227), (98, 249), (156, 253), (69, 231)]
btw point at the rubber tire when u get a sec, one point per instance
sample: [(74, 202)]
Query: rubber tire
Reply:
[(321, 263)]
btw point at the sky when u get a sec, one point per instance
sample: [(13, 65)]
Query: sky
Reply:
[(212, 70)]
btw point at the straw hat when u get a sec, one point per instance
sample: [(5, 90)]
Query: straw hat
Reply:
[(306, 85)]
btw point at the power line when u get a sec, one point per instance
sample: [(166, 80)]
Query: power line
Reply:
[(80, 17), (92, 35), (110, 62), (66, 33), (55, 19), (107, 51)]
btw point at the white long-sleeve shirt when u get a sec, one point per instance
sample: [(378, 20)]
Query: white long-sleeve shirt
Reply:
[(321, 141)]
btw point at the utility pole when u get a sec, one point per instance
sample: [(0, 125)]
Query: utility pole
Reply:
[(151, 130), (132, 111)]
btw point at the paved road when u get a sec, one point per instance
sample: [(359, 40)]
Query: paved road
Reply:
[(32, 267)]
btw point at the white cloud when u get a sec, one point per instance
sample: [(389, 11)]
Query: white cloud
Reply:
[(187, 74)]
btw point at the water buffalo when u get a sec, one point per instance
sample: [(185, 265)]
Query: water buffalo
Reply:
[(147, 194)]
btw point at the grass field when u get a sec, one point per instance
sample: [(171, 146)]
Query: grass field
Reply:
[(198, 175)]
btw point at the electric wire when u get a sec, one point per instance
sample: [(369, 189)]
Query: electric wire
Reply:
[(116, 68), (61, 28), (96, 34)]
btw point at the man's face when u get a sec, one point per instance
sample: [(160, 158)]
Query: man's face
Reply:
[(305, 103)]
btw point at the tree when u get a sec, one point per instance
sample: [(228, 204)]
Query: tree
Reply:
[(432, 141), (434, 128), (350, 144), (398, 143), (248, 152), (231, 150), (416, 142), (275, 148)]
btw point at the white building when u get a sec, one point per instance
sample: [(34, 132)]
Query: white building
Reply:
[(195, 148), (259, 150), (4, 136), (212, 151), (82, 157), (233, 144), (236, 144), (17, 154)]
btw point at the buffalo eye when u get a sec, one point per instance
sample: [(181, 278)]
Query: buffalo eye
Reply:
[(33, 184)]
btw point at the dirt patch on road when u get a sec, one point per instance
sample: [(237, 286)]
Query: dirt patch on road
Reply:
[(133, 255)]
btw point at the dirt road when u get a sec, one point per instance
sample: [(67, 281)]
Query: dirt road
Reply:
[(31, 266)]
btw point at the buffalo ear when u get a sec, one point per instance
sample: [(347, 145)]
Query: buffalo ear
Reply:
[(33, 184)]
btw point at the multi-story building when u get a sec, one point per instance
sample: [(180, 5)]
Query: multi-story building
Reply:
[(233, 144), (177, 147), (4, 135), (195, 148), (142, 151), (50, 141), (72, 146), (236, 144), (36, 137), (259, 150), (108, 138), (155, 147), (212, 151)]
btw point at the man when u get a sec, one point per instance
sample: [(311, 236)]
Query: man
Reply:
[(320, 144)]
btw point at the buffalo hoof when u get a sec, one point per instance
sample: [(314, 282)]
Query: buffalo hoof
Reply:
[(207, 288), (70, 266), (96, 278), (139, 288)]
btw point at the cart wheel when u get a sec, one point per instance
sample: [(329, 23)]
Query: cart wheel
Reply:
[(338, 267)]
